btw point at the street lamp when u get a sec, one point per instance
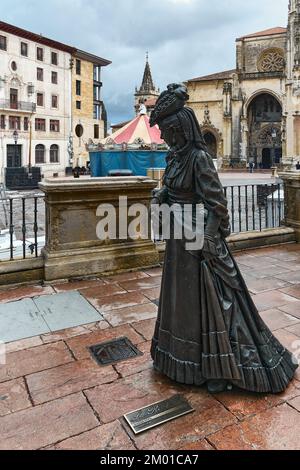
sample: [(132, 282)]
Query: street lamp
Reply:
[(274, 137), (16, 137)]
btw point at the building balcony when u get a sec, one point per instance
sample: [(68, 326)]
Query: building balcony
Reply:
[(23, 106)]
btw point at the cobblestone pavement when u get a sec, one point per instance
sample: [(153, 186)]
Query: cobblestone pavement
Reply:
[(54, 396)]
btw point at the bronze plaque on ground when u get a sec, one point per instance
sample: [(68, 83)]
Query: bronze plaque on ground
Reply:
[(158, 413)]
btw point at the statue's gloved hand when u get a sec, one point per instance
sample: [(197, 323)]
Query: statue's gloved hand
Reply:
[(209, 250), (159, 196)]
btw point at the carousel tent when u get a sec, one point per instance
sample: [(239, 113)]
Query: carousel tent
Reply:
[(134, 132), (135, 147)]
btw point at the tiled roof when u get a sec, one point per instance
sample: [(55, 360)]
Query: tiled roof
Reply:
[(214, 76), (266, 32)]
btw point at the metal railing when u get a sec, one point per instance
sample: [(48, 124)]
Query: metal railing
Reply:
[(18, 106), (22, 218), (255, 207), (22, 224)]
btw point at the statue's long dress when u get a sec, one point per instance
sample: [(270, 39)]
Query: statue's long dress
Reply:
[(208, 326)]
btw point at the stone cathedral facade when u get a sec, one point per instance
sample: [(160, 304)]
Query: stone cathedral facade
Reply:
[(252, 113)]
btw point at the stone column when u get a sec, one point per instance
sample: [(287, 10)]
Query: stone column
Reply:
[(72, 246), (291, 181)]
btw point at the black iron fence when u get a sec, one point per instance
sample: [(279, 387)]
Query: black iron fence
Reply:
[(22, 225), (255, 207), (22, 218)]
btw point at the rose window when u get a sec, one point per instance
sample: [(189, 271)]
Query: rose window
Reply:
[(271, 61)]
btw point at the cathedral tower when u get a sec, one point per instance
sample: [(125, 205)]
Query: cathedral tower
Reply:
[(147, 94)]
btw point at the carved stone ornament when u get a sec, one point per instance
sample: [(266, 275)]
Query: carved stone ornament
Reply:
[(271, 60)]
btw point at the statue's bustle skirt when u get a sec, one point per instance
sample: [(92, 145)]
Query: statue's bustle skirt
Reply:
[(209, 328)]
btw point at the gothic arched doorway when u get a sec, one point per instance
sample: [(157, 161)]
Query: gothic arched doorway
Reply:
[(211, 143), (264, 124)]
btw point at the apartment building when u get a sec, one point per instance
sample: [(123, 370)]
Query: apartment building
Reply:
[(88, 111), (39, 102)]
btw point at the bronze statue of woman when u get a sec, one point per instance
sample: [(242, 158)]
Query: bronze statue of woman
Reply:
[(208, 329)]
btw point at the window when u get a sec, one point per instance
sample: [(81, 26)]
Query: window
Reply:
[(97, 93), (40, 153), (3, 43), (26, 123), (14, 66), (78, 67), (54, 125), (96, 131), (97, 111), (97, 73), (40, 124), (54, 101), (2, 121), (15, 123), (24, 49), (54, 77), (40, 99), (40, 74), (78, 87), (78, 104), (40, 53), (54, 58), (54, 153)]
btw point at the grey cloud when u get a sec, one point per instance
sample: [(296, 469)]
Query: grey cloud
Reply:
[(185, 38)]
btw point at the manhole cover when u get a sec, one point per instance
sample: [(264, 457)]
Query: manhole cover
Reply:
[(114, 351)]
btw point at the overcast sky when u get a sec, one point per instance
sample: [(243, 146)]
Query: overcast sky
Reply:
[(185, 38)]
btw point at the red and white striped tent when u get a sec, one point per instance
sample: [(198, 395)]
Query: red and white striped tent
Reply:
[(137, 131)]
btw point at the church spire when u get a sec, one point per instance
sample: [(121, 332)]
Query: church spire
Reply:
[(147, 83)]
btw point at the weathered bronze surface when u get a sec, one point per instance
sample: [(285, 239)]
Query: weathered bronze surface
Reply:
[(208, 329), (154, 415), (114, 351)]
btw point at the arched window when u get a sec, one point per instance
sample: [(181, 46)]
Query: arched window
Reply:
[(54, 153), (40, 153)]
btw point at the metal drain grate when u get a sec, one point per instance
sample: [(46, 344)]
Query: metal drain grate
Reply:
[(114, 351)]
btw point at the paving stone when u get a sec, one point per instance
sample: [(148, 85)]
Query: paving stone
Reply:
[(66, 310), (23, 344), (285, 255), (131, 314), (275, 319), (293, 309), (293, 291), (107, 437), (28, 361), (105, 290), (154, 272), (197, 445), (151, 294), (145, 328), (67, 379), (46, 424), (268, 300), (138, 284), (251, 261), (72, 332), (287, 339), (23, 292), (295, 403), (290, 265), (137, 364), (79, 345), (125, 277), (275, 429), (130, 394), (293, 277), (77, 285), (268, 284), (295, 329), (242, 403), (113, 302), (13, 397), (19, 320), (209, 416)]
